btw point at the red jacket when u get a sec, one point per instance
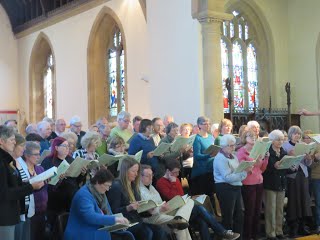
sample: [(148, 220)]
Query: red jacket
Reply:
[(169, 189)]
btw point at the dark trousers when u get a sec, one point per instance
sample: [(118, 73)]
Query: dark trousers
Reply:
[(38, 226), (145, 231), (203, 220), (252, 199), (122, 235), (231, 205)]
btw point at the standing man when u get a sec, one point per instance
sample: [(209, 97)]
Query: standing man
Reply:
[(158, 130), (136, 123)]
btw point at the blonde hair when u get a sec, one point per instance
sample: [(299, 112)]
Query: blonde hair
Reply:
[(224, 122), (89, 138), (245, 134), (126, 164)]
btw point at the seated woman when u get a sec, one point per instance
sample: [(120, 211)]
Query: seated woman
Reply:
[(143, 141), (169, 186), (38, 220), (228, 184), (60, 195), (89, 142), (90, 210), (124, 198), (116, 147)]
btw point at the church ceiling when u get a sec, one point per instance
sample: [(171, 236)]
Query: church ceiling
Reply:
[(26, 13)]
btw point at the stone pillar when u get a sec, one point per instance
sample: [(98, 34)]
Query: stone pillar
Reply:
[(211, 34)]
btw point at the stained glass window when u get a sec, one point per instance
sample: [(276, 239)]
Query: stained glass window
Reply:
[(252, 77), (225, 74), (240, 31), (238, 85), (231, 30), (225, 30), (246, 32), (241, 66), (48, 88), (116, 75)]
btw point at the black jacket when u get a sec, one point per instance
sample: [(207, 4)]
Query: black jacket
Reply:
[(274, 179), (11, 190)]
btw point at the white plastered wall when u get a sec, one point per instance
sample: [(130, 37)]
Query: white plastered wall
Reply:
[(69, 40), (8, 65)]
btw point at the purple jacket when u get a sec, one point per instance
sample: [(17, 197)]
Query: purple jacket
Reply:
[(41, 195)]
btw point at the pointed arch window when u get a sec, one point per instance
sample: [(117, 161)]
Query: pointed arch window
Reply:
[(48, 87), (116, 74), (239, 62)]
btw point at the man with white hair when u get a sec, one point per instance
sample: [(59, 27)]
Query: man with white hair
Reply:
[(75, 127), (31, 128), (122, 130), (44, 130), (53, 135), (167, 119), (60, 126)]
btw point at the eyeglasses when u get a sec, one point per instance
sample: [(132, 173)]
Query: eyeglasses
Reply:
[(77, 126), (126, 121), (107, 186), (148, 175), (175, 173), (231, 145), (64, 145), (34, 154)]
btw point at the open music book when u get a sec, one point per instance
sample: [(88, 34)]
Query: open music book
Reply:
[(244, 165), (148, 205), (260, 148), (213, 150), (117, 226), (288, 161), (63, 167), (44, 176), (303, 148)]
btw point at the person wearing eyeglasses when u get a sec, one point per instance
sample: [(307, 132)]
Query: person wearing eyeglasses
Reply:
[(38, 220), (90, 210), (12, 189), (75, 127), (60, 195), (123, 120), (252, 188), (201, 174), (274, 184), (228, 184), (298, 208)]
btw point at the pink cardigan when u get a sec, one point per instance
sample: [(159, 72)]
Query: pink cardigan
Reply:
[(256, 175)]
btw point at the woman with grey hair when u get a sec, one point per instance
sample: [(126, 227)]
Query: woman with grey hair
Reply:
[(72, 139), (298, 208), (228, 184), (201, 174), (12, 189), (89, 142), (38, 220), (255, 126), (274, 184), (122, 130)]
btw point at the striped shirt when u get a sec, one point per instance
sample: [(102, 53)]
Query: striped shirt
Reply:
[(24, 178)]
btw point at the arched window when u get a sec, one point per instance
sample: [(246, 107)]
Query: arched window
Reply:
[(116, 76), (239, 62), (48, 86)]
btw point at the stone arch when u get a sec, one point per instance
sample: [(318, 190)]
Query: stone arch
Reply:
[(98, 87), (41, 50), (264, 44)]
